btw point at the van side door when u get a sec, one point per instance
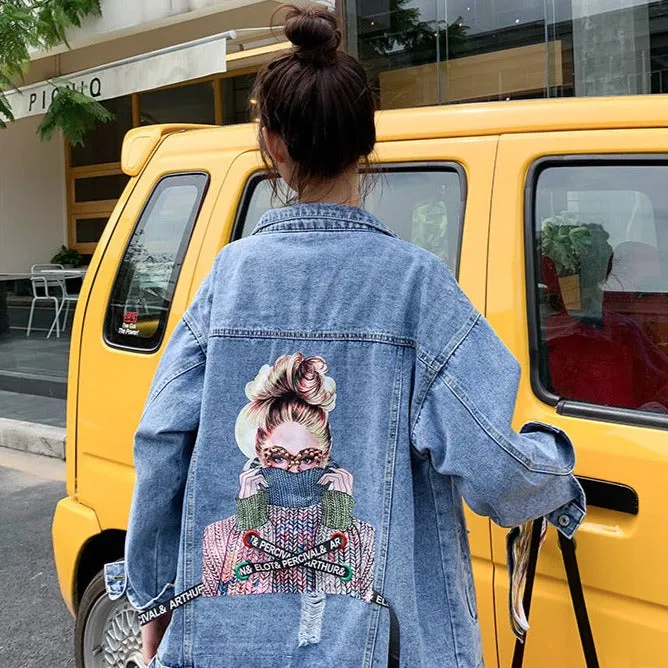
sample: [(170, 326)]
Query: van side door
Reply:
[(435, 193), (578, 289)]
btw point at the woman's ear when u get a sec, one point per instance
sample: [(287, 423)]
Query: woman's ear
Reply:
[(275, 146)]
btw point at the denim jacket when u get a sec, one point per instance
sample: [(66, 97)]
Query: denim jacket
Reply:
[(303, 530)]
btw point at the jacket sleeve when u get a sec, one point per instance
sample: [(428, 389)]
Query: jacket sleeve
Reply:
[(163, 447), (464, 426)]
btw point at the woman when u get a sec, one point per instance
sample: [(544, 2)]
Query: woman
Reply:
[(424, 398)]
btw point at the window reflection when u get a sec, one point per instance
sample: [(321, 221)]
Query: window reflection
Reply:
[(602, 250), (236, 95), (103, 143), (421, 52), (144, 287), (192, 103)]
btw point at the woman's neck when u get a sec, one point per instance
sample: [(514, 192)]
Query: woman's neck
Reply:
[(343, 189)]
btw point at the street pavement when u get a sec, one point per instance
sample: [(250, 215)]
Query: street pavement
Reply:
[(36, 629)]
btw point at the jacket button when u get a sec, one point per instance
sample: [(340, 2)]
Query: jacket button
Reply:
[(564, 520)]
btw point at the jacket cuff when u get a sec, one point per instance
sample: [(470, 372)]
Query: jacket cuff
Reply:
[(117, 584), (568, 518), (562, 441)]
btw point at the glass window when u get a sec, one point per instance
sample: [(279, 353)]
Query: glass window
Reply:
[(89, 230), (236, 96), (423, 205), (601, 248), (183, 104), (96, 188), (145, 283), (423, 52), (103, 144)]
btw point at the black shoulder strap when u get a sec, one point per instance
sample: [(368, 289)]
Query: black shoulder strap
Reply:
[(575, 587), (577, 596), (394, 660)]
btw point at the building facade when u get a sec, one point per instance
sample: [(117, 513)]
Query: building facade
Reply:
[(450, 51), (417, 52)]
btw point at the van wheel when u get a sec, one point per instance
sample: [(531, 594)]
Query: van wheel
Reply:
[(106, 633)]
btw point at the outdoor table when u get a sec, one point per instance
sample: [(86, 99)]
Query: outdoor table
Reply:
[(64, 273)]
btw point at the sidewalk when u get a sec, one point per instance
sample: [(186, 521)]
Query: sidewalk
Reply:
[(33, 424), (34, 365)]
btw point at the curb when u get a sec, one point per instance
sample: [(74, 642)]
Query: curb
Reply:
[(30, 383), (40, 439)]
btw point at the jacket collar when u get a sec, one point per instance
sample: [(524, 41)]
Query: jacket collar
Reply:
[(321, 218)]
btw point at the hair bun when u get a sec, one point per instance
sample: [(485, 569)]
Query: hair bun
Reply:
[(314, 31)]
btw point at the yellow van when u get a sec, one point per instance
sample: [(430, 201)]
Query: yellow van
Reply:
[(553, 214)]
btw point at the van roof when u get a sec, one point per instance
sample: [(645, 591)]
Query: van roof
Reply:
[(483, 118)]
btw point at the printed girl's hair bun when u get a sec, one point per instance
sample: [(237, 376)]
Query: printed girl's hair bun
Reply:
[(310, 382), (314, 32), (294, 376)]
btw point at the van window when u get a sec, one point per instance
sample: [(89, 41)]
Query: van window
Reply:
[(422, 204), (600, 237), (147, 276)]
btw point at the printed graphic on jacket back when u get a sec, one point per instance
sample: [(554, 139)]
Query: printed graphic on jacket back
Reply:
[(294, 529)]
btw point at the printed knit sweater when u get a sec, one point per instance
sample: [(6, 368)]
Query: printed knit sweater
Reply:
[(294, 530)]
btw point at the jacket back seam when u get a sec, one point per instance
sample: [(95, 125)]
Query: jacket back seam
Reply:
[(388, 494), (443, 560)]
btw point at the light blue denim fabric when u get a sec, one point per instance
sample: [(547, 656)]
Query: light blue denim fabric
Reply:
[(425, 393)]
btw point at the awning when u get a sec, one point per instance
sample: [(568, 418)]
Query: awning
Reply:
[(190, 60)]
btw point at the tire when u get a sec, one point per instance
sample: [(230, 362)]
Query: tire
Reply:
[(106, 633)]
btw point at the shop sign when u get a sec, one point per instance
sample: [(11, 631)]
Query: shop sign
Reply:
[(175, 64)]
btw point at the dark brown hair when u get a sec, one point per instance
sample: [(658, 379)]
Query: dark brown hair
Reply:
[(317, 98)]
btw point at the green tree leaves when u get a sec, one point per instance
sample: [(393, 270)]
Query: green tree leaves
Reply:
[(74, 113), (417, 38), (54, 17), (41, 25)]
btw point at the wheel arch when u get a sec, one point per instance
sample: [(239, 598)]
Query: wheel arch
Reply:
[(109, 545)]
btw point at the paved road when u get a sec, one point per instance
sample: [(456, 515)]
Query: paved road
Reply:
[(35, 626)]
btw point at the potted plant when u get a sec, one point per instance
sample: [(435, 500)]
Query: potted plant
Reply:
[(563, 240), (68, 257), (594, 267)]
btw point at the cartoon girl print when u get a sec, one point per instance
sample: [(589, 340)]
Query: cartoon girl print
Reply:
[(293, 531)]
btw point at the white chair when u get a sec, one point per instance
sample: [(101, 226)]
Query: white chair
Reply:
[(48, 285), (66, 299)]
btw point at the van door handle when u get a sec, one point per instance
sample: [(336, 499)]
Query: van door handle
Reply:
[(610, 495)]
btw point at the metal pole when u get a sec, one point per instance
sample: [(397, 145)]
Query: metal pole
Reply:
[(547, 51), (438, 58), (447, 53)]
